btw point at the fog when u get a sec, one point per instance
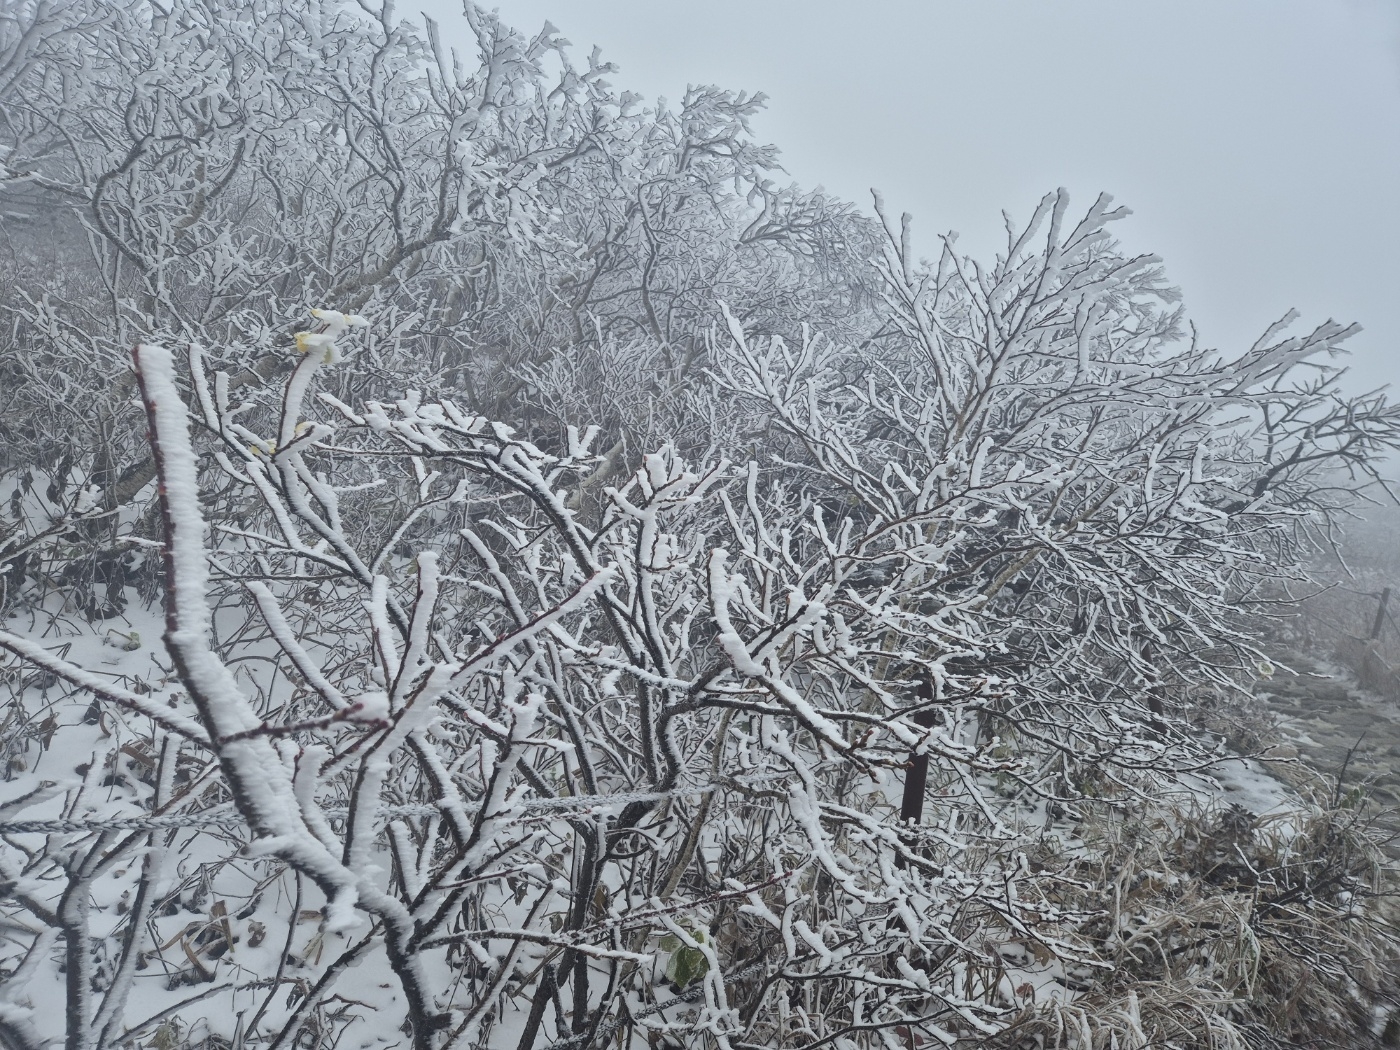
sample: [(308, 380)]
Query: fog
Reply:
[(1258, 144)]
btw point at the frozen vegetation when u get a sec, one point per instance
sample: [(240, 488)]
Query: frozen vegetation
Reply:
[(485, 563)]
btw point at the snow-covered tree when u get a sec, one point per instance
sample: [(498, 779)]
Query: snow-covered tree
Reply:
[(647, 605)]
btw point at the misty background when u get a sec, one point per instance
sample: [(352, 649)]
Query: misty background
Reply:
[(1256, 143)]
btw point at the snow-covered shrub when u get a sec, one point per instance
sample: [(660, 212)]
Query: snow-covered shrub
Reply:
[(678, 615)]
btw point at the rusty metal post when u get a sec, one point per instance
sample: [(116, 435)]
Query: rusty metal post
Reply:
[(1380, 615), (1368, 673)]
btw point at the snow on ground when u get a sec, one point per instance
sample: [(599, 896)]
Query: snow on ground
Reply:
[(1246, 783)]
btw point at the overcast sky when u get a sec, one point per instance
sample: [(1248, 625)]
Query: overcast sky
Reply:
[(1257, 141)]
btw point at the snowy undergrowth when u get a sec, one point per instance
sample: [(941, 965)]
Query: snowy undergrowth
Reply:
[(231, 944)]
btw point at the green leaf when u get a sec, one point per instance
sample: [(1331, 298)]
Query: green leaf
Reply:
[(686, 964)]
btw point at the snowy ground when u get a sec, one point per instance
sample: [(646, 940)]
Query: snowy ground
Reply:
[(1340, 730)]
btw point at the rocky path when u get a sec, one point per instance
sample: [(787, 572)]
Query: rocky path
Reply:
[(1334, 726)]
